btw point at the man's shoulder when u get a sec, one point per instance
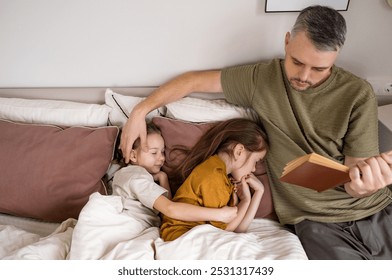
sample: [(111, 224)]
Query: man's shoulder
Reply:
[(349, 76), (356, 83), (275, 62)]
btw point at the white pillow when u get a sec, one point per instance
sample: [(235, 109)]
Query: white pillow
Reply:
[(122, 105), (55, 112), (207, 110)]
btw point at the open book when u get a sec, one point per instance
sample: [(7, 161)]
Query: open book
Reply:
[(315, 172)]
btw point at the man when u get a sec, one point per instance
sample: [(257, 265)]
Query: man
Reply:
[(307, 104)]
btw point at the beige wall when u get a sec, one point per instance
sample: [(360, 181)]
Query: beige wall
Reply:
[(77, 43)]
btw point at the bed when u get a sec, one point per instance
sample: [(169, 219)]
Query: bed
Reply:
[(56, 156)]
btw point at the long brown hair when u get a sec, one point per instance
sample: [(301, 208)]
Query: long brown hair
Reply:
[(222, 137)]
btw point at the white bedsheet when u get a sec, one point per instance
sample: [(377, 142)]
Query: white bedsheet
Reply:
[(265, 240), (18, 244), (105, 231)]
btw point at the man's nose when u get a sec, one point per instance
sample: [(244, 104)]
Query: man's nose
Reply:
[(303, 75)]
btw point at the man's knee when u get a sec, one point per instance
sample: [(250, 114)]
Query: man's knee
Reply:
[(327, 241)]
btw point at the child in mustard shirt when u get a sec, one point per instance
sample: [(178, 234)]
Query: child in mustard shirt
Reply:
[(218, 172)]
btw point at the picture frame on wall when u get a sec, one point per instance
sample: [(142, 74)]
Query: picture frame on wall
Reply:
[(279, 6)]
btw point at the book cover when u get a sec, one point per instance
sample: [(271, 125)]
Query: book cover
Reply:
[(315, 172)]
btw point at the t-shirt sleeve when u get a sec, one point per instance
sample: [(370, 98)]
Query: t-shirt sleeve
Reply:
[(138, 185), (147, 191), (361, 139), (238, 83)]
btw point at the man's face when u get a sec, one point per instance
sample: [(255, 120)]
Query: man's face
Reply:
[(306, 66)]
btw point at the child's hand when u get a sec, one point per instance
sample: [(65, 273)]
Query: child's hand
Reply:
[(254, 182), (163, 181), (242, 189), (160, 177), (228, 214)]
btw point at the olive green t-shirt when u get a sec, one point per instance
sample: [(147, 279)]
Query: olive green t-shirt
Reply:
[(335, 119)]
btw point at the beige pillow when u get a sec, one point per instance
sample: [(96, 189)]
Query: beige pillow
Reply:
[(122, 105), (55, 112), (207, 110)]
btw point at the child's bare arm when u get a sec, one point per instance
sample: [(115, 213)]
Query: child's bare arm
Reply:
[(243, 193), (193, 213), (258, 188)]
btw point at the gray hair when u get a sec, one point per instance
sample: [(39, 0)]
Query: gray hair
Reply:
[(324, 26)]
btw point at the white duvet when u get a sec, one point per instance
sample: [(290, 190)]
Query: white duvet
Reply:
[(105, 231), (19, 244)]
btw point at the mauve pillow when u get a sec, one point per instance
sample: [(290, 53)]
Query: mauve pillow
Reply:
[(178, 132), (49, 172)]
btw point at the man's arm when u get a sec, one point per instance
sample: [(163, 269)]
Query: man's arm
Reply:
[(368, 175), (179, 87)]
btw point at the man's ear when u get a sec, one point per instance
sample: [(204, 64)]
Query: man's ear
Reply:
[(287, 39), (133, 156)]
